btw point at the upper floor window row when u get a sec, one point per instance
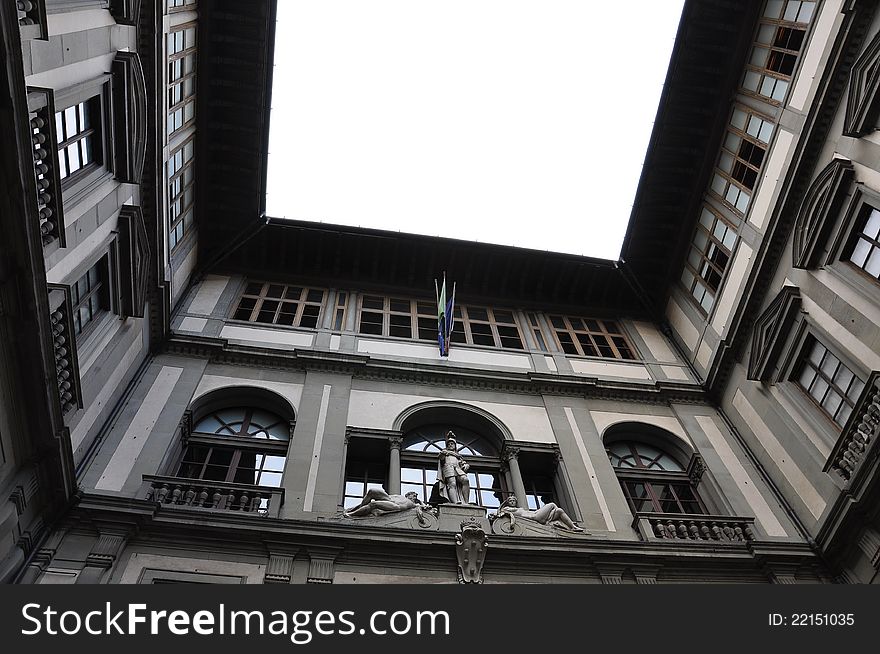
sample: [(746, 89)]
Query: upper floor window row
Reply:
[(378, 315), (779, 40)]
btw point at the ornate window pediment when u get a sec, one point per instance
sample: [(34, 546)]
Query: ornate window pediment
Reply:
[(134, 254), (819, 211), (130, 116), (863, 101), (770, 332)]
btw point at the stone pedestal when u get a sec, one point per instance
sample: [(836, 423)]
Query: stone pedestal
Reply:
[(452, 515)]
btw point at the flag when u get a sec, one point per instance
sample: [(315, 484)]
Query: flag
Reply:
[(445, 316)]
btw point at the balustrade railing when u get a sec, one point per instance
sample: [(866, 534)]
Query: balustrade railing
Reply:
[(63, 342), (219, 496), (41, 112), (32, 18), (860, 433), (670, 526)]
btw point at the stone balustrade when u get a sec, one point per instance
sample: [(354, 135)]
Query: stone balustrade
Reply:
[(63, 343), (32, 18), (42, 129), (214, 495), (860, 432), (673, 526)]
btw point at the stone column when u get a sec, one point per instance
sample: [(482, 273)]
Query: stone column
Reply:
[(345, 443), (394, 465), (510, 455)]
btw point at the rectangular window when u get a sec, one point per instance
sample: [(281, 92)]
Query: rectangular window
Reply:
[(78, 132), (540, 490), (591, 338), (536, 332), (339, 315), (180, 192), (742, 154), (361, 476), (709, 255), (181, 77), (780, 38), (418, 479), (828, 382), (280, 304), (864, 251), (90, 297), (180, 4)]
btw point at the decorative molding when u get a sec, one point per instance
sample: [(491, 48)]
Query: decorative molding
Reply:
[(218, 350), (125, 12), (696, 468), (134, 261), (863, 99), (322, 565), (106, 549), (771, 330), (819, 211), (470, 549), (279, 569), (129, 117)]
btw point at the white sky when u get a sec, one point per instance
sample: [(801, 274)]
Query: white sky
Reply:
[(517, 122)]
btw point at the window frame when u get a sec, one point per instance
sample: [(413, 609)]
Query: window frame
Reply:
[(711, 239), (856, 233), (237, 443), (185, 216), (809, 337), (727, 178), (571, 331), (649, 477), (188, 51), (262, 297), (104, 288), (97, 92)]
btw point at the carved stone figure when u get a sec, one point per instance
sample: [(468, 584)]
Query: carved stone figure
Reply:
[(378, 502), (470, 548), (549, 514), (452, 473)]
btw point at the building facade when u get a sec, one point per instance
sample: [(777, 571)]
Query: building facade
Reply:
[(215, 390)]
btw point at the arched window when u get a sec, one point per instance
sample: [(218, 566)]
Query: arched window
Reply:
[(418, 457), (242, 445), (653, 480)]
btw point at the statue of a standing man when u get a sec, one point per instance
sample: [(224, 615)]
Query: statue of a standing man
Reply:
[(452, 473)]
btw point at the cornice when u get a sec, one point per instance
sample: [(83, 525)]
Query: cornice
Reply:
[(218, 350), (180, 527)]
